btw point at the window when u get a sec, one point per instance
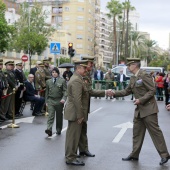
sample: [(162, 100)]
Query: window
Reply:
[(57, 10), (67, 27), (9, 20), (80, 27), (67, 8), (80, 9), (80, 18), (79, 36), (67, 18), (80, 0), (79, 46)]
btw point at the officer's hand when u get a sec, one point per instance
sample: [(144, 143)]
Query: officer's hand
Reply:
[(46, 104), (79, 121), (136, 101), (62, 101), (168, 107)]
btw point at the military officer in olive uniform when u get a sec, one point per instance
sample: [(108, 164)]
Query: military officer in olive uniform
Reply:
[(83, 143), (8, 108), (76, 111), (40, 81), (146, 112), (4, 87), (47, 69), (55, 97)]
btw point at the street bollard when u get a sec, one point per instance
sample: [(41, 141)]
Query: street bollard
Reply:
[(13, 125)]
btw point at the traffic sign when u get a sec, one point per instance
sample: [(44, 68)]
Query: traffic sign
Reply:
[(24, 58), (55, 48)]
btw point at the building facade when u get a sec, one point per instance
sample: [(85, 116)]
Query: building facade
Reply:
[(106, 28)]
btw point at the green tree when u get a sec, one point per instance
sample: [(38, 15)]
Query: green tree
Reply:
[(127, 7), (5, 29), (63, 60), (137, 44), (150, 50), (115, 9), (31, 31)]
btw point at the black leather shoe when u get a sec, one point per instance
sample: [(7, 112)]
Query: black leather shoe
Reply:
[(2, 117), (164, 160), (48, 132), (87, 153), (37, 114), (130, 158), (58, 132), (75, 163)]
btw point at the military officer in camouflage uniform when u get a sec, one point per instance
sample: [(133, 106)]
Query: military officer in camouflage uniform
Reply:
[(7, 108), (47, 69), (4, 87), (40, 81), (56, 94)]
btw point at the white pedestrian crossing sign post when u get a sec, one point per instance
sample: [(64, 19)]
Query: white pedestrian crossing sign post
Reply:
[(55, 48)]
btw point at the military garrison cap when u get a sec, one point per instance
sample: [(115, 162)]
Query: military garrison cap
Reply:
[(18, 64), (1, 61), (9, 63), (81, 63), (132, 60), (88, 58)]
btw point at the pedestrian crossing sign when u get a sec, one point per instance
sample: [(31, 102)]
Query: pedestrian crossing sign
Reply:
[(55, 48)]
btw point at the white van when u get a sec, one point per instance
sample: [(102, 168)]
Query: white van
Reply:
[(128, 74)]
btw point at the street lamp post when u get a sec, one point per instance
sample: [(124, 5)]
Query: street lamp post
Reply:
[(29, 20)]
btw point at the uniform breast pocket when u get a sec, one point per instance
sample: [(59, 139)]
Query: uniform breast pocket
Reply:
[(59, 86)]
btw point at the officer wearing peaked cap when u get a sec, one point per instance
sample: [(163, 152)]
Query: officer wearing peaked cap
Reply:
[(40, 77), (46, 69), (20, 84), (83, 143), (9, 102), (76, 112), (146, 111), (3, 89)]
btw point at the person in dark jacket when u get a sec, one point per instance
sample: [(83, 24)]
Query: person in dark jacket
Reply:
[(98, 77), (30, 95), (67, 74), (20, 83)]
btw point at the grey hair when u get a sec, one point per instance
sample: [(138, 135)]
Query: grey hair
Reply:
[(30, 75)]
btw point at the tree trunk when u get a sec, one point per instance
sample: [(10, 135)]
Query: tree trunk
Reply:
[(114, 41), (127, 34), (122, 41)]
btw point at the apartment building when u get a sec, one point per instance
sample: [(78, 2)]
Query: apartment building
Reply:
[(106, 27), (76, 17)]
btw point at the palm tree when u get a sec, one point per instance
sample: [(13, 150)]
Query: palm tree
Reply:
[(150, 49), (137, 44), (127, 7), (115, 9)]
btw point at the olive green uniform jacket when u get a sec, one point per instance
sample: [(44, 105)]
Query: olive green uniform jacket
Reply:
[(77, 104), (40, 81), (143, 89)]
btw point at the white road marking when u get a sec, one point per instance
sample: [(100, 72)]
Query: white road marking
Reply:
[(96, 110), (124, 127), (17, 121), (54, 134)]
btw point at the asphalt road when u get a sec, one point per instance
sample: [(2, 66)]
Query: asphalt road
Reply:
[(29, 148)]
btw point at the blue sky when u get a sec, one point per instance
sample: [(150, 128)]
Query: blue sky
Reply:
[(154, 18)]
